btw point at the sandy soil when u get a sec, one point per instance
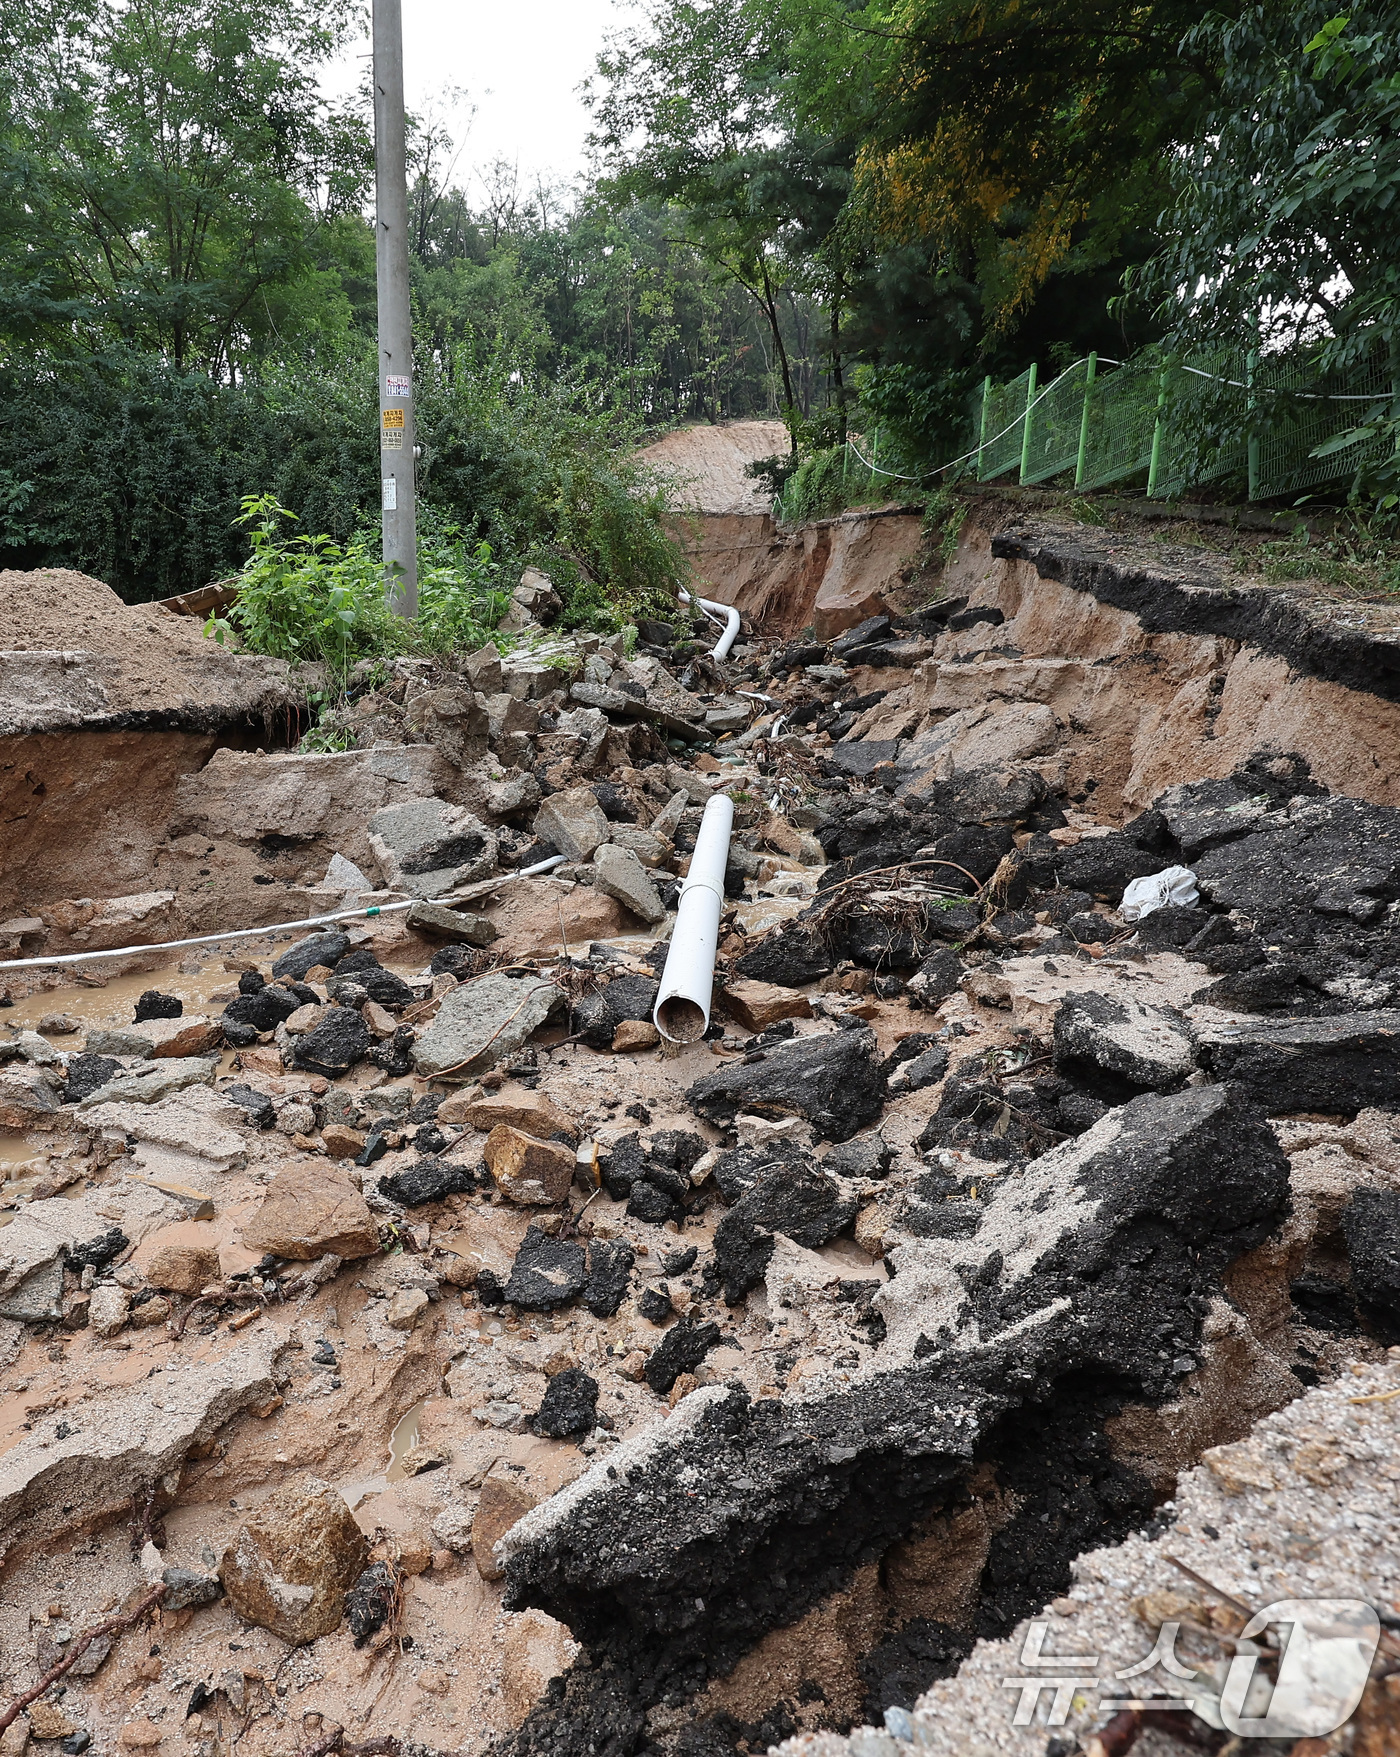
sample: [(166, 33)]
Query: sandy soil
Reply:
[(707, 464), (162, 661)]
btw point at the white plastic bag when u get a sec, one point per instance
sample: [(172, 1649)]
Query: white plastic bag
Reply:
[(1176, 885)]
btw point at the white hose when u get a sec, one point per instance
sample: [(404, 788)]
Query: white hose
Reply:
[(243, 933), (720, 650), (682, 1012)]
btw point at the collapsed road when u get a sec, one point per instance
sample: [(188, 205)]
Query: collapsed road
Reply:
[(401, 1341)]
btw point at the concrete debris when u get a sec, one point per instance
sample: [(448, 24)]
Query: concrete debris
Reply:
[(482, 1023), (619, 873)]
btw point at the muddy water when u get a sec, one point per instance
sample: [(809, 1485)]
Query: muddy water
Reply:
[(402, 1441), (116, 1003)]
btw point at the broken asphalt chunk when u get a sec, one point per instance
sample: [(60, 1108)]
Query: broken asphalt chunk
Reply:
[(609, 1270), (833, 1080), (1120, 1047), (796, 1199), (429, 1180), (547, 1273), (338, 1040), (681, 1350), (1332, 1065), (570, 1405)]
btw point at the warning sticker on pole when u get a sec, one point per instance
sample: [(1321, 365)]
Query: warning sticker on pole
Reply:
[(391, 493), (395, 386), (393, 418)]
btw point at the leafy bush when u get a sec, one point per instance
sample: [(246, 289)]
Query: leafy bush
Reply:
[(309, 599)]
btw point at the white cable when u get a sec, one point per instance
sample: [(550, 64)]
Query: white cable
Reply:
[(241, 933)]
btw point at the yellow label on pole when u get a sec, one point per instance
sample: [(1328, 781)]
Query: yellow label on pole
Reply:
[(393, 417)]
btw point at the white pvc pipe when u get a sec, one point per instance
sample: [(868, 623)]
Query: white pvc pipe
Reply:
[(720, 650), (243, 933), (682, 1012)]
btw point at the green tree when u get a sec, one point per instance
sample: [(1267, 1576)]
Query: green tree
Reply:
[(165, 167), (1283, 226)]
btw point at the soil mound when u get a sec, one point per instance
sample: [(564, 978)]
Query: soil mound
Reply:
[(707, 464), (146, 659)]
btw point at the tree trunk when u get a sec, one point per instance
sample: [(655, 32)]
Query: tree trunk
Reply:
[(770, 308), (838, 380)]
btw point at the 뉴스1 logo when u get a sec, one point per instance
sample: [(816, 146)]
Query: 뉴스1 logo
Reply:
[(1320, 1650)]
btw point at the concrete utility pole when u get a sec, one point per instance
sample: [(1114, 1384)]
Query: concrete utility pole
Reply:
[(395, 314)]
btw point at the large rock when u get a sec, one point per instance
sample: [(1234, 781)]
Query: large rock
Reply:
[(157, 1038), (535, 1113), (1123, 1044), (154, 1084), (1289, 1065), (30, 1099), (451, 924), (502, 1504), (454, 721), (290, 1566), (180, 1259), (529, 1171), (834, 1081), (339, 1039), (310, 1209), (978, 738), (756, 1005), (428, 848), (573, 821), (482, 1023), (619, 873)]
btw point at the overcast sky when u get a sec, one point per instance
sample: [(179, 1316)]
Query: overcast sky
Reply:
[(521, 64)]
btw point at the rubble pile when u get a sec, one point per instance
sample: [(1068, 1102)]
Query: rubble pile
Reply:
[(471, 1366)]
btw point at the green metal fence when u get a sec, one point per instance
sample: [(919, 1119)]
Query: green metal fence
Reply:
[(1104, 422), (1170, 424)]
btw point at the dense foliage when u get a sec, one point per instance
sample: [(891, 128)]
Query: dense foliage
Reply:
[(844, 212)]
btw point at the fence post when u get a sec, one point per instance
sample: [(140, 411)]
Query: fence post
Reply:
[(1155, 465), (1252, 437), (982, 426), (1026, 424), (1090, 374)]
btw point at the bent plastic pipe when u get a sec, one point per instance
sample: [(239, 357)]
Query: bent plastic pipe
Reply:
[(243, 933), (720, 650), (682, 1012)]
